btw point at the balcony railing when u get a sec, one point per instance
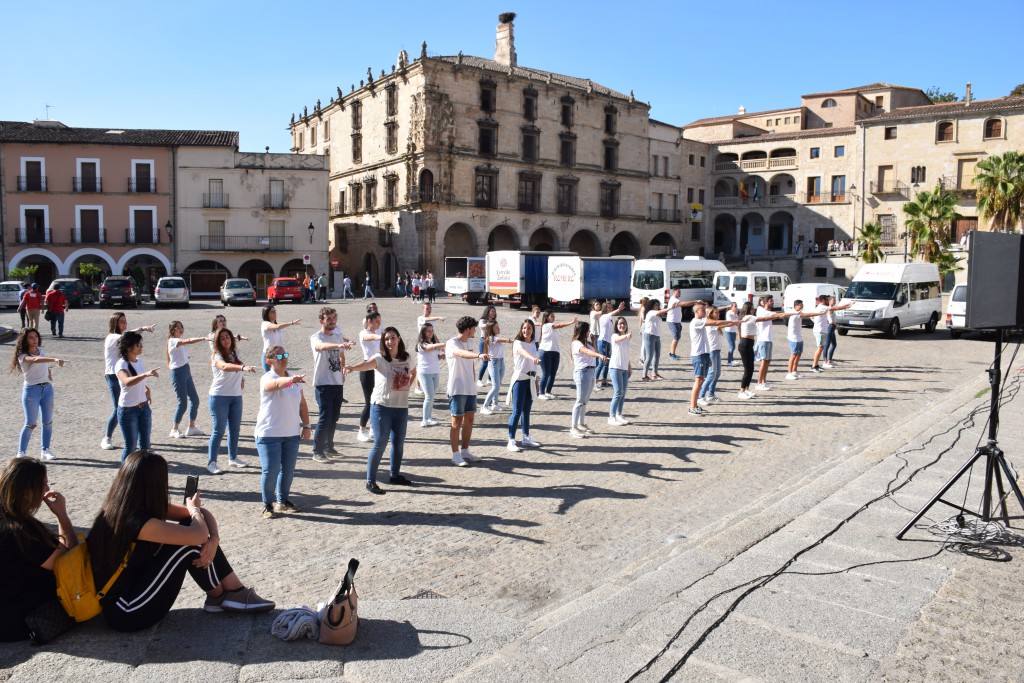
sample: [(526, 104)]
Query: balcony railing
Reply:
[(782, 162), (760, 200), (79, 184), (245, 242), (78, 238), (138, 237), (666, 215), (31, 183), (215, 201), (429, 196), (33, 237), (963, 184), (337, 209), (769, 163), (274, 202), (781, 199), (895, 187), (142, 184)]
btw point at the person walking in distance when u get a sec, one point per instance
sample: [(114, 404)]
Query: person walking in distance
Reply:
[(763, 346), (701, 327), (328, 345), (225, 399), (133, 408), (272, 331), (549, 353), (181, 380), (462, 389), (36, 389), (619, 369), (429, 351), (674, 320), (584, 371), (490, 315), (56, 307), (117, 325), (713, 331), (396, 374), (367, 288), (369, 343), (346, 288), (605, 325), (431, 287), (32, 302), (524, 367), (282, 420), (494, 348), (732, 315), (322, 286)]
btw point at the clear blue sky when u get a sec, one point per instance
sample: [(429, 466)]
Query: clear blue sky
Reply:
[(247, 66)]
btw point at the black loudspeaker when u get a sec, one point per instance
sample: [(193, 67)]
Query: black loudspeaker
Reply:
[(995, 281)]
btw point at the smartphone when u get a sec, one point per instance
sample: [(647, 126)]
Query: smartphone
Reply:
[(191, 486)]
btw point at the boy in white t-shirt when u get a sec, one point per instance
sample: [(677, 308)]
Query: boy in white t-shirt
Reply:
[(795, 336), (462, 388), (763, 340)]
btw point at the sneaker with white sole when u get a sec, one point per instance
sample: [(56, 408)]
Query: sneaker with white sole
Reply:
[(486, 410), (762, 387), (212, 468), (543, 397), (613, 421), (695, 411), (363, 436), (713, 398), (791, 375), (527, 440), (621, 421), (241, 600), (816, 370), (107, 444), (480, 383), (584, 428), (512, 446), (458, 460), (238, 463), (577, 434), (744, 395), (21, 454), (194, 431), (175, 434), (703, 401), (47, 455), (827, 366), (469, 457)]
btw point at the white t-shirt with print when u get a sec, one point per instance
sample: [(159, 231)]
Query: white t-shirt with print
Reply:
[(392, 381), (461, 371)]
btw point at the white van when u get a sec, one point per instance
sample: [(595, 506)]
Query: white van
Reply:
[(956, 311), (744, 286), (808, 292), (657, 277), (891, 296)]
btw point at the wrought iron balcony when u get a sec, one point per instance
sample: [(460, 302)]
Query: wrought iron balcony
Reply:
[(337, 209), (274, 202), (33, 237), (666, 215), (32, 183), (894, 187), (245, 242), (964, 184), (216, 201), (142, 184), (79, 184)]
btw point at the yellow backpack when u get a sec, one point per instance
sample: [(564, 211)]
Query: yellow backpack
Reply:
[(76, 588)]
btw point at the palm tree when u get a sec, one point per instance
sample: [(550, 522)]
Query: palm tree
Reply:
[(871, 240), (929, 217), (1000, 185), (948, 263)]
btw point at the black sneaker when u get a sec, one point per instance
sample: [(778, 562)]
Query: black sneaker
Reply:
[(285, 507), (268, 512), (331, 450), (373, 488), (399, 480)]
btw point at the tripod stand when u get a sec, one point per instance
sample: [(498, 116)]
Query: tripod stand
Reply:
[(995, 463)]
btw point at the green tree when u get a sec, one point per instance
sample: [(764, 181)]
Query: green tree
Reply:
[(871, 243), (929, 217), (23, 273), (936, 94), (948, 263), (1018, 91), (1000, 184), (89, 272)]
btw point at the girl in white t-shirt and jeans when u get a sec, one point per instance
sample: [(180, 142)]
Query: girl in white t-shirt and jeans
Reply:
[(225, 399), (133, 411), (181, 379), (584, 372), (549, 353), (494, 347), (36, 390), (619, 369), (429, 352), (116, 326), (520, 393)]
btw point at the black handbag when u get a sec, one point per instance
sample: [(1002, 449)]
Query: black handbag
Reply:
[(47, 621), (49, 316)]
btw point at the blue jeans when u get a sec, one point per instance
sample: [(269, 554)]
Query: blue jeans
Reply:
[(36, 399), (185, 390), (114, 387), (136, 425), (522, 402), (549, 368), (830, 344), (483, 364), (388, 424), (57, 324), (277, 466), (652, 353), (328, 401), (497, 373), (711, 381), (428, 382), (730, 340), (605, 349), (584, 387), (225, 414), (620, 381)]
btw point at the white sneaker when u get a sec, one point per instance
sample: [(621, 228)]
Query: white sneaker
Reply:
[(238, 463), (469, 457), (762, 387), (418, 392), (212, 468), (363, 436), (175, 434), (613, 421), (47, 455), (577, 434), (194, 431), (584, 428), (512, 446), (543, 397), (527, 440), (487, 410), (551, 397), (432, 422), (480, 383), (703, 402), (21, 454), (620, 420), (713, 398), (827, 366), (458, 461), (744, 395), (791, 375), (106, 444)]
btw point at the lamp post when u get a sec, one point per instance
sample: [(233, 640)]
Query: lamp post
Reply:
[(174, 247), (311, 229), (856, 242)]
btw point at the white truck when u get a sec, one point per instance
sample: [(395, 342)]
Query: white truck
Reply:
[(464, 277), (891, 296), (519, 277), (657, 277)]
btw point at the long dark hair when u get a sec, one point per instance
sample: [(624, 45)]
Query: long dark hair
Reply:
[(746, 309), (424, 338), (22, 486), (582, 333), (126, 342), (267, 310), (533, 331), (487, 313), (21, 345), (138, 494), (232, 351), (402, 353)]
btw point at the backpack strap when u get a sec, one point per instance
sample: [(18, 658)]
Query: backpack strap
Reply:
[(117, 572)]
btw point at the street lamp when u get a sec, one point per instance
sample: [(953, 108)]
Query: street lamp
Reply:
[(170, 231), (311, 229)]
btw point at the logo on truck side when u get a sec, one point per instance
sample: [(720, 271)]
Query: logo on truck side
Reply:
[(564, 272)]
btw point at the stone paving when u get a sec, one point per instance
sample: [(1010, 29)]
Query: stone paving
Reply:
[(523, 549)]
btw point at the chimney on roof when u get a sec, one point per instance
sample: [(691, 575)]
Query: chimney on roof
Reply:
[(968, 95), (505, 42), (742, 110)]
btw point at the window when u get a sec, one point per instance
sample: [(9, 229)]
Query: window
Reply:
[(813, 189), (777, 121), (391, 191), (215, 234), (689, 195), (828, 103), (567, 111), (529, 192), (391, 143), (276, 195), (944, 132), (609, 200), (839, 273), (702, 160), (890, 132), (300, 145), (611, 116), (796, 119), (839, 188), (700, 197), (767, 122), (88, 176), (371, 194), (327, 130), (820, 272), (918, 175), (215, 198), (760, 283), (654, 164), (392, 92), (839, 151), (488, 96), (530, 104), (530, 144), (815, 152), (611, 156), (993, 128), (357, 197), (786, 120), (485, 189), (695, 232), (487, 139), (357, 115), (691, 160), (567, 196), (880, 102), (357, 148), (341, 201), (567, 151), (312, 136), (143, 178)]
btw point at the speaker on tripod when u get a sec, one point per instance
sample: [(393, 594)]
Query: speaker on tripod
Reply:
[(995, 301)]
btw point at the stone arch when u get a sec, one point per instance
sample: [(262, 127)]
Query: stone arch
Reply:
[(143, 251), (108, 263), (783, 153), (544, 239), (294, 268), (726, 187), (205, 277), (585, 243), (624, 244), (781, 185), (259, 273), (725, 234), (664, 240), (752, 233), (726, 159), (460, 240), (50, 266), (426, 185), (502, 237), (754, 154), (146, 268), (780, 232)]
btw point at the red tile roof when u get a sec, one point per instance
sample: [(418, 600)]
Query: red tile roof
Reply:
[(55, 132)]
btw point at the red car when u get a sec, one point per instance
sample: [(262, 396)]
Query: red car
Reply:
[(284, 289)]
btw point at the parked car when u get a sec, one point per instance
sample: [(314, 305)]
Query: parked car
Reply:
[(956, 312), (237, 290), (10, 293), (284, 289), (171, 291), (120, 289), (75, 291)]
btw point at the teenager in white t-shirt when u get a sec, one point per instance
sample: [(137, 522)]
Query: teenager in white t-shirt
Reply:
[(490, 315), (603, 332), (732, 315), (584, 371), (525, 361), (272, 331), (701, 328), (181, 379), (36, 390), (133, 406), (619, 369), (369, 343), (117, 325), (226, 399), (651, 330), (674, 320), (795, 336), (462, 389), (713, 329), (494, 347), (825, 331), (429, 351), (549, 353), (763, 345)]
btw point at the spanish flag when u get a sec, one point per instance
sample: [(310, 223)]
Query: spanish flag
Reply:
[(743, 190)]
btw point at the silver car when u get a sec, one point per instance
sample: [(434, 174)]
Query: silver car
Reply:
[(171, 291), (10, 293), (237, 290)]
